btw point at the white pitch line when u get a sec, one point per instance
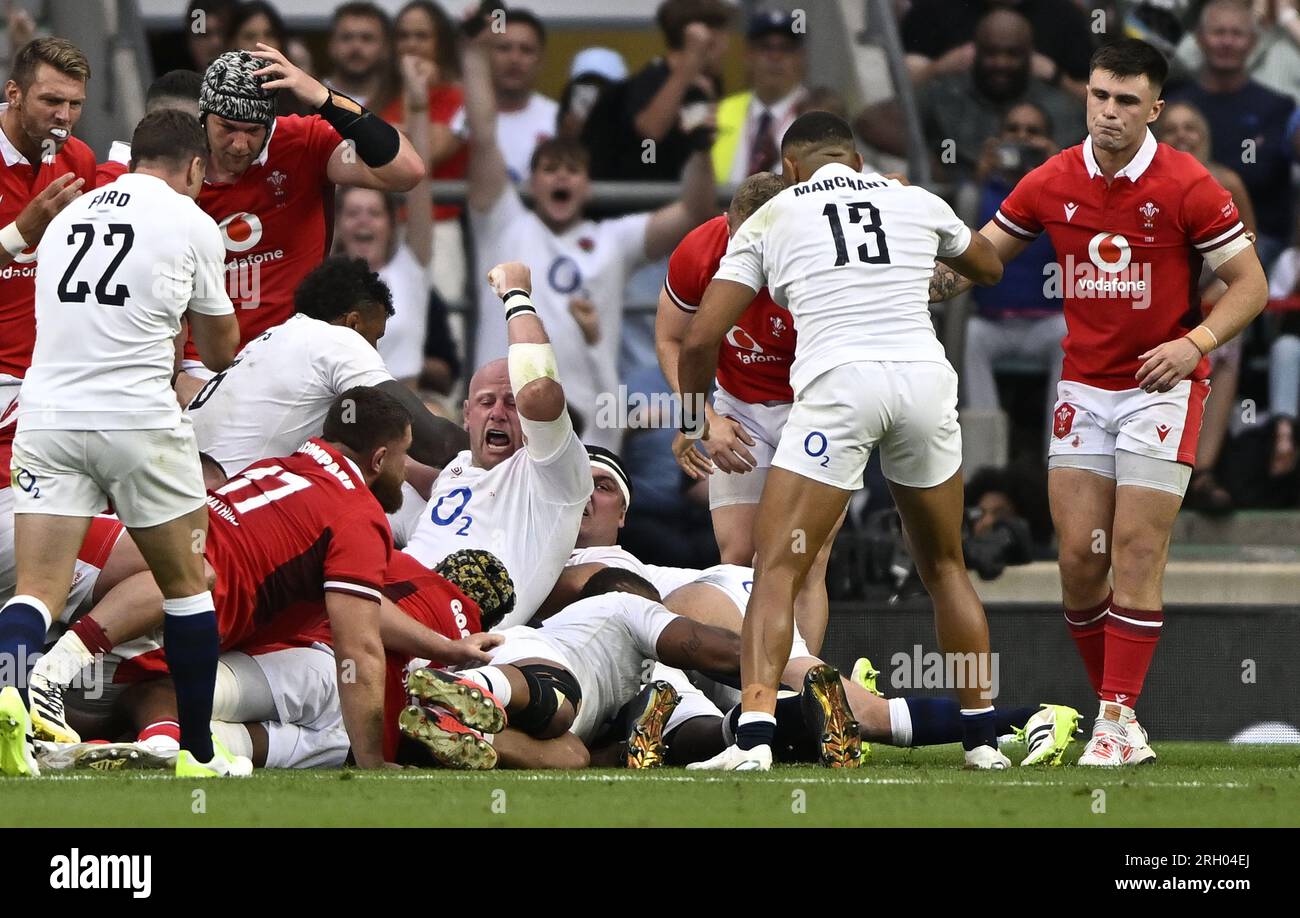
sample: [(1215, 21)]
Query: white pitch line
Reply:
[(701, 779)]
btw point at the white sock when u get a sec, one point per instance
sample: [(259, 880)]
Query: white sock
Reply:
[(492, 679), (64, 660), (1126, 714), (900, 722)]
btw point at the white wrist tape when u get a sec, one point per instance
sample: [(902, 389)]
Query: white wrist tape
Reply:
[(528, 362), (12, 239)]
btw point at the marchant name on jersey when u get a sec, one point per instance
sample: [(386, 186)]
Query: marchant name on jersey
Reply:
[(839, 181), (103, 871), (328, 464)]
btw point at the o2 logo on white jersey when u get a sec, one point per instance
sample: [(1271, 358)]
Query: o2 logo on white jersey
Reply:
[(1115, 255), (241, 231), (452, 513), (564, 275)]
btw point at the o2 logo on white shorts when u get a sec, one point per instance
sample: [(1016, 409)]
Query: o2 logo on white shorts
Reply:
[(241, 231), (815, 445), (1110, 252)]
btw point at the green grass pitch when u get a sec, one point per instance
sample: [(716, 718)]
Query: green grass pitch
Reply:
[(1194, 784)]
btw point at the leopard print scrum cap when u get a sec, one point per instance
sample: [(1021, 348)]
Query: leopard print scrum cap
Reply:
[(231, 91), (482, 577)]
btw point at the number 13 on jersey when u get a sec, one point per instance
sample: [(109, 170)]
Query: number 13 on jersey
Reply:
[(875, 233)]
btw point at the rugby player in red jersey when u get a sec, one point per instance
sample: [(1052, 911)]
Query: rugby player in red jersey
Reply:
[(289, 540), (270, 179), (1132, 221), (753, 396), (277, 698), (44, 168)]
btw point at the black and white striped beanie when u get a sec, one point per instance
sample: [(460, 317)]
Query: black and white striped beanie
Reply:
[(231, 91)]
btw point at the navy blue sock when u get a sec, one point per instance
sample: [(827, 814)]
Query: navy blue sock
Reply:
[(936, 721), (22, 634), (759, 731), (792, 740), (979, 729), (192, 646)]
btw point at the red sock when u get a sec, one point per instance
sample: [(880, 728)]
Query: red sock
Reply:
[(169, 728), (1131, 636), (92, 635), (1087, 627)]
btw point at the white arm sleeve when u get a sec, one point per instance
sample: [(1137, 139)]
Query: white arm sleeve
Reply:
[(954, 235), (209, 295)]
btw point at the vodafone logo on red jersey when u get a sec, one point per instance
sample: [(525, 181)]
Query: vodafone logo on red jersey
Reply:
[(1110, 252), (241, 231), (747, 349)]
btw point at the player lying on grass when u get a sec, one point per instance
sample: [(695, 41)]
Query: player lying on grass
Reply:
[(519, 490), (290, 540), (278, 703), (570, 676), (718, 596)]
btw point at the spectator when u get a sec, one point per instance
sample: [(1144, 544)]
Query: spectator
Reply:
[(751, 123), (1284, 362), (424, 32), (579, 266), (670, 102), (1251, 127), (366, 226), (1275, 60), (205, 30), (257, 22), (1015, 319), (593, 71), (960, 111), (361, 55), (1184, 128), (938, 39), (525, 117)]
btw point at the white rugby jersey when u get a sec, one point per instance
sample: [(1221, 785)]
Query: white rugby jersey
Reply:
[(525, 511), (851, 257), (664, 579), (116, 271), (275, 396)]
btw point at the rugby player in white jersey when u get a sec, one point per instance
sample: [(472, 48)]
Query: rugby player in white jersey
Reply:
[(98, 421), (520, 489), (850, 255), (277, 391), (574, 673)]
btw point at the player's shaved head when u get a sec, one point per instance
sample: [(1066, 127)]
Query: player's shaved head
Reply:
[(491, 418), (752, 194), (816, 139)]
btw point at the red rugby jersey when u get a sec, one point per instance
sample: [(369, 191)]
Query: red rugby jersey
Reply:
[(754, 359), (434, 602), (276, 220), (19, 183), (1129, 253), (284, 532)]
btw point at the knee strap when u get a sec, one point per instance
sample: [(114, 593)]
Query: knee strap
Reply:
[(548, 687)]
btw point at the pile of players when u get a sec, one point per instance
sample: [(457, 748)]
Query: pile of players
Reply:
[(303, 567)]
